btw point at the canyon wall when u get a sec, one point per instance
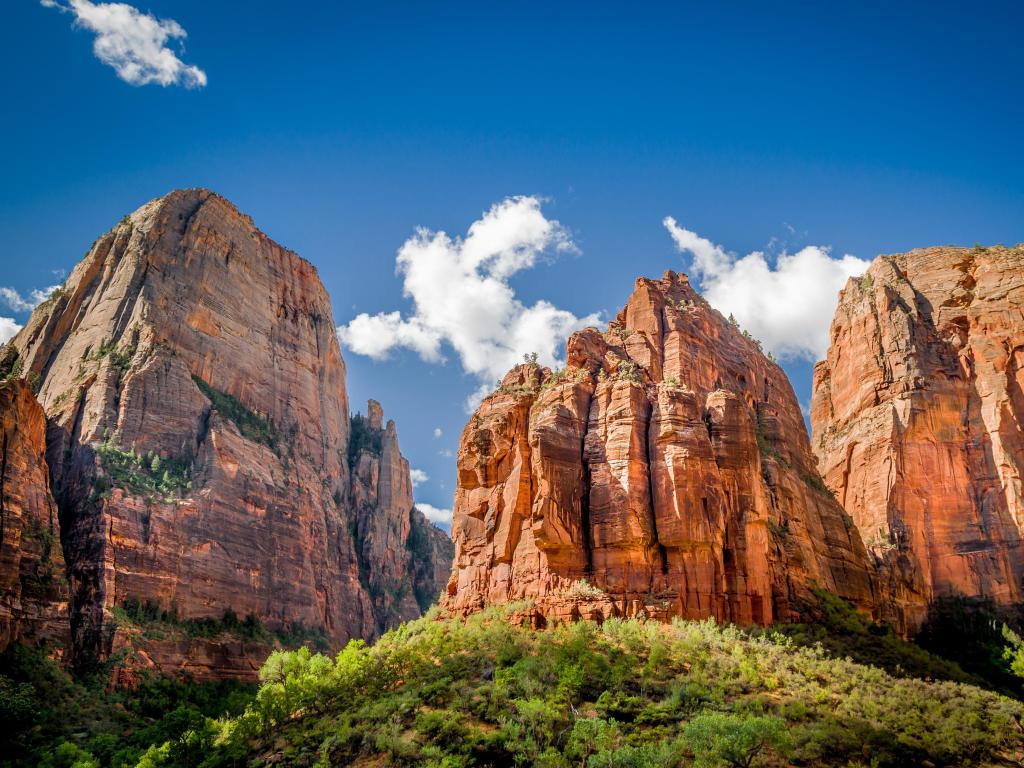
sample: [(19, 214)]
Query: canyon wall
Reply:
[(917, 415), (198, 446), (666, 471), (33, 589)]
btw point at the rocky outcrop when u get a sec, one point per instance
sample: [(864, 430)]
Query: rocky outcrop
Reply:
[(198, 440), (917, 416), (33, 585), (410, 558), (666, 471)]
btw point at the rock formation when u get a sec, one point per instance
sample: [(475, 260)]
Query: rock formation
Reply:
[(198, 445), (394, 537), (666, 471), (33, 590), (917, 416)]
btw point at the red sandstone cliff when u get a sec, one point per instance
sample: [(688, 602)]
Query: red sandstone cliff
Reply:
[(917, 416), (666, 471), (199, 443), (33, 588)]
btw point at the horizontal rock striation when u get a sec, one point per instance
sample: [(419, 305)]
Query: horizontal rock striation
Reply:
[(917, 415), (666, 471), (198, 439)]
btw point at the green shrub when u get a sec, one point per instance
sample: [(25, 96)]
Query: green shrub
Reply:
[(250, 424), (140, 474), (737, 741)]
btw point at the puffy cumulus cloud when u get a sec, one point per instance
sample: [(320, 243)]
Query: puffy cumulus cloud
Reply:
[(7, 329), (418, 477), (788, 305), (437, 433), (18, 303), (437, 516), (462, 298), (133, 43)]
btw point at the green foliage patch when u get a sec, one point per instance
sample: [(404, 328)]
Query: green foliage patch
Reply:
[(52, 720), (141, 474), (484, 691), (250, 424)]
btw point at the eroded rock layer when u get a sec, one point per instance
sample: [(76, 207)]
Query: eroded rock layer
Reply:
[(917, 416), (666, 471), (199, 439), (33, 585)]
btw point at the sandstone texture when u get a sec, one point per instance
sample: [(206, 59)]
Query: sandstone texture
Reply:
[(917, 416), (666, 471), (198, 443), (33, 584)]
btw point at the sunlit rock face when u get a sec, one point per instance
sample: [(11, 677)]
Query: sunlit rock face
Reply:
[(198, 444), (665, 472), (917, 415)]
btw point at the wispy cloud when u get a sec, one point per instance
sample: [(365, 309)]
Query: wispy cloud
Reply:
[(462, 297), (442, 517), (7, 329), (18, 303), (134, 43), (788, 306), (418, 477), (437, 433)]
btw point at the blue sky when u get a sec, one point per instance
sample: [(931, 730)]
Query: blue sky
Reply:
[(341, 128)]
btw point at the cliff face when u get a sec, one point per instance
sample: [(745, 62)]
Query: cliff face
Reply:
[(411, 559), (917, 416), (33, 589), (198, 439), (665, 472)]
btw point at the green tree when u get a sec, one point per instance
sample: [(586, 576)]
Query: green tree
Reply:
[(1013, 653), (737, 741)]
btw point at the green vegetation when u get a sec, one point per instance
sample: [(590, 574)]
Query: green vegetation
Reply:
[(250, 424), (120, 359), (141, 474), (839, 691), (54, 721), (980, 637), (155, 622), (483, 691), (362, 437), (627, 371), (14, 368)]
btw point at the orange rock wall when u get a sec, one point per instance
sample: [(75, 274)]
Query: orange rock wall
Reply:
[(917, 415), (187, 334), (33, 586), (665, 472)]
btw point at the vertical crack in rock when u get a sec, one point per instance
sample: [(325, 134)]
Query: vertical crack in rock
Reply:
[(653, 537)]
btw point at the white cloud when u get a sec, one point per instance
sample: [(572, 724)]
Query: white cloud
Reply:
[(435, 515), (7, 329), (788, 306), (418, 477), (437, 433), (18, 303), (462, 298), (134, 43)]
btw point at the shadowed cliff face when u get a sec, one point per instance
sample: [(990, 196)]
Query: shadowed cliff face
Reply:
[(198, 438), (666, 471), (917, 416), (33, 589)]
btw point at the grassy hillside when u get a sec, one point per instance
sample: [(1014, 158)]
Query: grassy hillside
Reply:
[(627, 693), (485, 692)]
